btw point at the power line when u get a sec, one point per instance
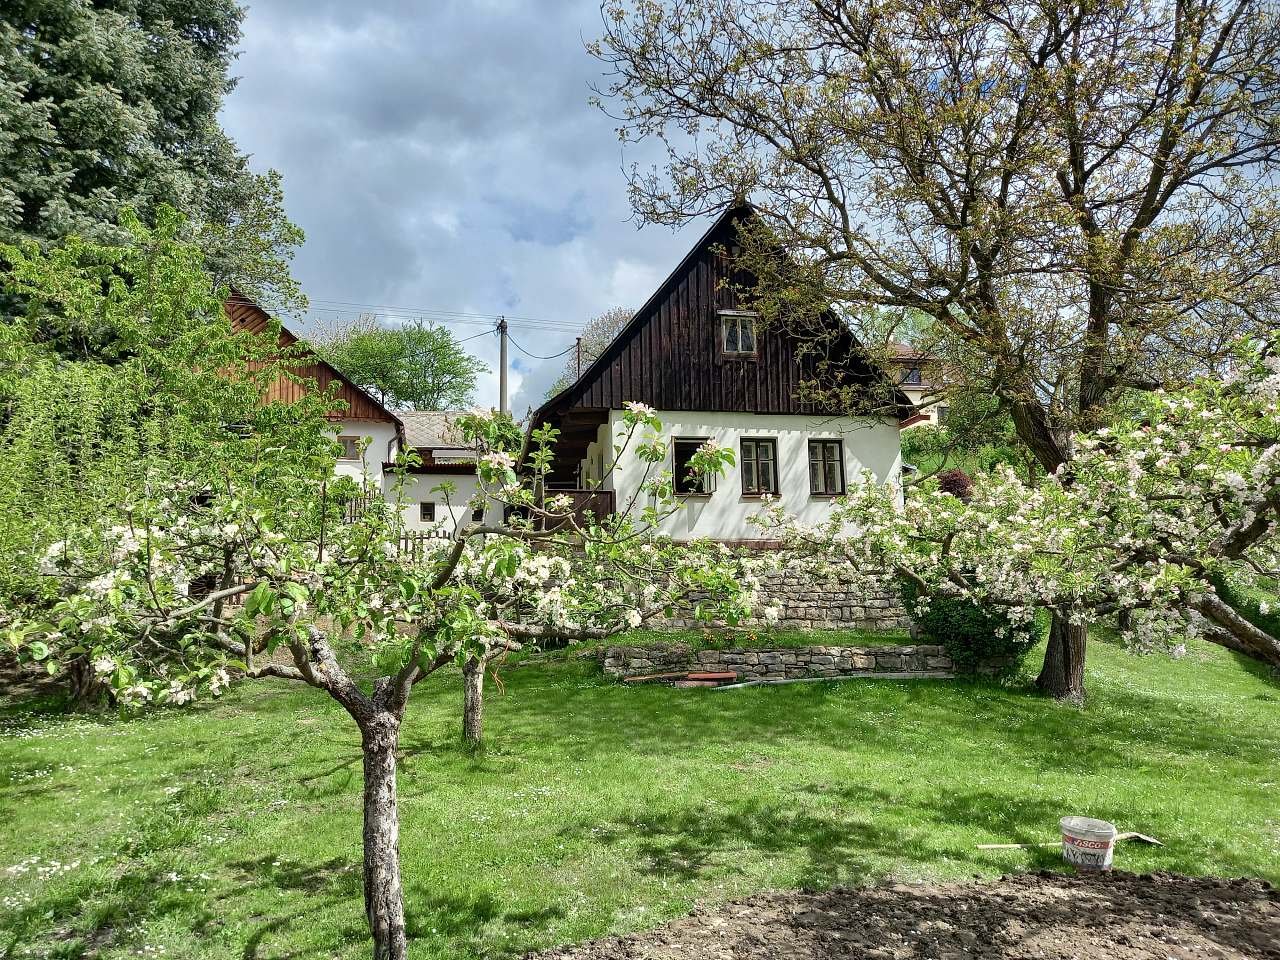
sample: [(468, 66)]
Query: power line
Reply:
[(536, 356), (322, 305), (385, 307), (555, 326)]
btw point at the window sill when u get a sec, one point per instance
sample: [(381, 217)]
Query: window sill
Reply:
[(761, 496), (825, 496), (694, 496)]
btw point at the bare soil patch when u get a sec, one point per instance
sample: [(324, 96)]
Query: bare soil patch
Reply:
[(1045, 916)]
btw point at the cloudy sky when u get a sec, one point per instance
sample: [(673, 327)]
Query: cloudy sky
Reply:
[(442, 155)]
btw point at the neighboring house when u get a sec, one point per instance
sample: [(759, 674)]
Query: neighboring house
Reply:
[(371, 438), (446, 459), (711, 372), (917, 378), (369, 434)]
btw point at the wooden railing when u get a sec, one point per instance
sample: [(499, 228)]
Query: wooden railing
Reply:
[(415, 543), (601, 503), (356, 506)]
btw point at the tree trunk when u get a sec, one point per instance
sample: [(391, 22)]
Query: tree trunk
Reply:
[(473, 701), (1062, 675), (1236, 632), (87, 691), (383, 894)]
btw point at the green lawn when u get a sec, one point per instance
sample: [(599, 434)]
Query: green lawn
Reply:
[(233, 830)]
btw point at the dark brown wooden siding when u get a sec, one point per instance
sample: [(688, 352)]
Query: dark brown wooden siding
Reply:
[(358, 405), (669, 355)]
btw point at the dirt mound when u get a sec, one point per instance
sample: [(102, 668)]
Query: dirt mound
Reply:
[(1045, 916)]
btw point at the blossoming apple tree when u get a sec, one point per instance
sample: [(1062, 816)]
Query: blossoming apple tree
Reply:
[(189, 534), (1177, 494)]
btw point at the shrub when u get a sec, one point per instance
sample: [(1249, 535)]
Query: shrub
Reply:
[(955, 482), (977, 638)]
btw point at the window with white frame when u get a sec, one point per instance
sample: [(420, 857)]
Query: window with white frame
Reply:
[(738, 332), (350, 448), (826, 468), (759, 467)]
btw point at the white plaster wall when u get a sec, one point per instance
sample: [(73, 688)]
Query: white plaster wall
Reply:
[(926, 402), (420, 487), (869, 443), (595, 465), (382, 439)]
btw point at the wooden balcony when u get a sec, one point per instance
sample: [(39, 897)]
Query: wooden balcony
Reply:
[(598, 503)]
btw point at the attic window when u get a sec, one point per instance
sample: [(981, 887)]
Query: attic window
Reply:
[(738, 332)]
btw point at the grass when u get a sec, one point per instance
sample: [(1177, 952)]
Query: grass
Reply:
[(233, 830)]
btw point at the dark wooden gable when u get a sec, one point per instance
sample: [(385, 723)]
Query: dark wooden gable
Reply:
[(669, 355)]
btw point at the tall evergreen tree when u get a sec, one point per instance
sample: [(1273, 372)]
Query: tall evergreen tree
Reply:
[(114, 104)]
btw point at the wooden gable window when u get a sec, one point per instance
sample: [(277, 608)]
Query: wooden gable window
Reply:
[(427, 511), (738, 332), (826, 468), (759, 467), (682, 451), (350, 448)]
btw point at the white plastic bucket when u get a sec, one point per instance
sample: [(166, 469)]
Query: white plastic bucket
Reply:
[(1087, 843)]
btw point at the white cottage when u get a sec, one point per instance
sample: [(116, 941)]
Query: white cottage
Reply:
[(371, 437), (369, 434), (437, 493), (712, 373)]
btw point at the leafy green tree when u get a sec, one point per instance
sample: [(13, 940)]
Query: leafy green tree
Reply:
[(977, 435), (144, 491), (596, 336), (1081, 196), (115, 104), (415, 366), (1167, 517)]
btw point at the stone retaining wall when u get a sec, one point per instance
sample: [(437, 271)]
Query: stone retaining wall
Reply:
[(810, 604), (783, 663)]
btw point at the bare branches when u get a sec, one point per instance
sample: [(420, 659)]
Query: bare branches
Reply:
[(1079, 196)]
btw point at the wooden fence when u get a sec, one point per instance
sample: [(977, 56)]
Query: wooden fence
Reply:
[(416, 543)]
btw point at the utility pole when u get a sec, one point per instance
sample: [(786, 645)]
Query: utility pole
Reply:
[(579, 356), (502, 365)]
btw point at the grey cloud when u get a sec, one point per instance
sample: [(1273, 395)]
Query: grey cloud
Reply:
[(444, 156)]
